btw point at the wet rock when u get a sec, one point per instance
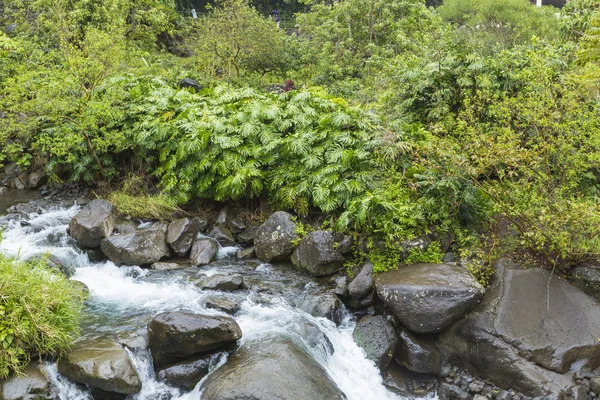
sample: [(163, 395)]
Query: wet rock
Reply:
[(325, 305), (223, 236), (204, 251), (426, 298), (144, 246), (313, 337), (101, 363), (225, 305), (247, 235), (31, 385), (273, 368), (124, 227), (58, 263), (221, 282), (190, 83), (316, 254), (407, 383), (362, 284), (168, 266), (246, 254), (37, 179), (93, 223), (595, 384), (230, 219), (417, 354), (83, 289), (588, 279), (514, 326), (274, 239), (181, 234), (177, 336), (187, 374), (341, 286), (18, 183), (452, 392), (376, 336), (365, 302)]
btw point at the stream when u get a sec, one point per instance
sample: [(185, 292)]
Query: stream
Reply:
[(123, 299)]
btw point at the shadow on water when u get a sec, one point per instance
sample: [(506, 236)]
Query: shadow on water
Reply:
[(15, 197)]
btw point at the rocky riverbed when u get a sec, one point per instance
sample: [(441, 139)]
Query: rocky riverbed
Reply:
[(202, 308)]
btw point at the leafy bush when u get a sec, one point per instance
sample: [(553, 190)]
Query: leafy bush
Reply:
[(39, 313)]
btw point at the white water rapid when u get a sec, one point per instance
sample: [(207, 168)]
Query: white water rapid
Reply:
[(123, 299)]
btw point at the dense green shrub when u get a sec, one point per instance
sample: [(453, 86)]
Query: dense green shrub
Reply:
[(39, 312)]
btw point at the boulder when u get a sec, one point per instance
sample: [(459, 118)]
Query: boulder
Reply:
[(93, 223), (204, 251), (124, 226), (230, 219), (181, 234), (362, 284), (416, 353), (58, 263), (376, 336), (168, 266), (178, 336), (190, 83), (273, 368), (18, 183), (101, 363), (587, 278), (247, 235), (274, 240), (227, 306), (316, 254), (407, 383), (325, 305), (144, 246), (187, 374), (246, 254), (526, 331), (37, 179), (341, 286), (221, 282), (426, 298), (33, 384), (223, 236)]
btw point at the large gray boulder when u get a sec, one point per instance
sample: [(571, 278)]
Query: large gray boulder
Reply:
[(274, 240), (362, 284), (93, 223), (418, 354), (316, 254), (33, 384), (273, 368), (376, 336), (181, 234), (530, 328), (144, 246), (178, 336), (101, 363), (204, 251), (427, 298)]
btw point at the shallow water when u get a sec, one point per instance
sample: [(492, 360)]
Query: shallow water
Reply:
[(123, 300)]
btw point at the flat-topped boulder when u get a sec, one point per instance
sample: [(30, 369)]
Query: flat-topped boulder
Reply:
[(269, 369), (221, 282), (274, 240), (144, 246), (93, 223), (177, 336), (317, 255), (427, 298), (101, 363)]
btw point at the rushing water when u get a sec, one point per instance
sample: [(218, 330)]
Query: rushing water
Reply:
[(123, 299)]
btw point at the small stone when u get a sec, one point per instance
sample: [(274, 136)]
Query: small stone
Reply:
[(595, 384), (479, 397), (222, 282), (476, 387), (225, 305), (246, 254), (592, 394)]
